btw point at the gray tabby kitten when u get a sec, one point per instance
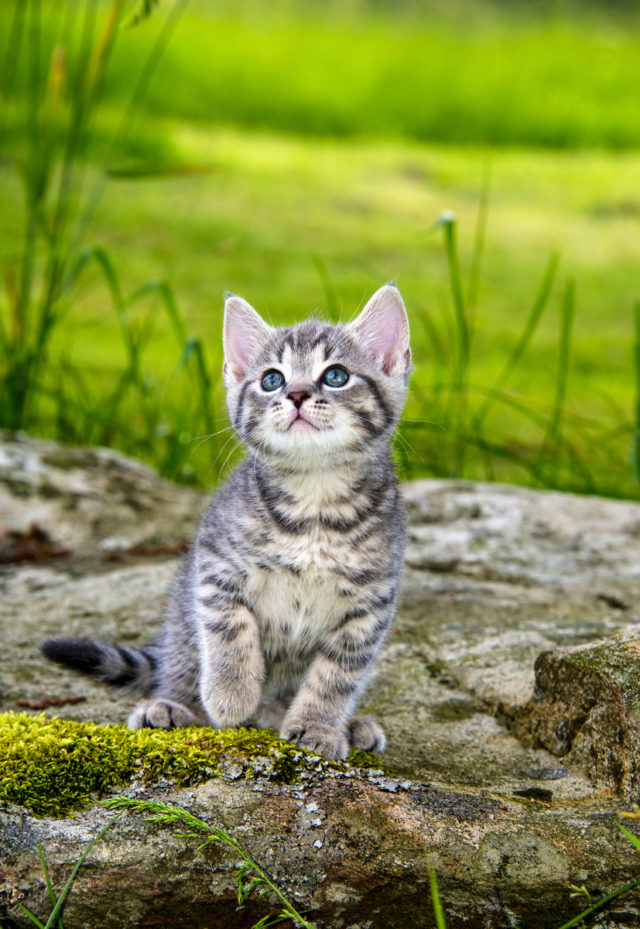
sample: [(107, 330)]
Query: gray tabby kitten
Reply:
[(288, 592)]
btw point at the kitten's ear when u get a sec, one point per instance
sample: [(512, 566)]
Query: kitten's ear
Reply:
[(382, 329), (244, 334)]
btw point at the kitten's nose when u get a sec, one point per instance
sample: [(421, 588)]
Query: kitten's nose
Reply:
[(297, 396)]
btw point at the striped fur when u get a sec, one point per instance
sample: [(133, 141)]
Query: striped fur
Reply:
[(288, 593)]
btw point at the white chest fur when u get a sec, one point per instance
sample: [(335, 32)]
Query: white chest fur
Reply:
[(296, 605)]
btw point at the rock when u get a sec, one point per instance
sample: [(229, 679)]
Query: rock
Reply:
[(494, 577), (586, 708)]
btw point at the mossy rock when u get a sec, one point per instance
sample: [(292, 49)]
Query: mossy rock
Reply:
[(54, 766)]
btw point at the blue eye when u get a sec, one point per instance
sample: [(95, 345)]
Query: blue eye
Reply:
[(272, 380), (335, 377)]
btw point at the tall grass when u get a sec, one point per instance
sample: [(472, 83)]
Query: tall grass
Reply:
[(51, 95), (464, 435)]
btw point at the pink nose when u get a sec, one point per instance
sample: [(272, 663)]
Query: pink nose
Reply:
[(298, 397)]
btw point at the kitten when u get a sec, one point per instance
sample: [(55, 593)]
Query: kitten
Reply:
[(288, 592)]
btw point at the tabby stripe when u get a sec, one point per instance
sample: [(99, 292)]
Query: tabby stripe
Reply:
[(222, 583), (241, 400), (210, 546), (286, 342), (350, 642), (383, 601), (372, 528), (342, 687), (359, 577), (358, 613), (284, 522), (365, 422), (348, 662), (221, 599), (384, 406), (272, 488), (227, 631), (149, 657)]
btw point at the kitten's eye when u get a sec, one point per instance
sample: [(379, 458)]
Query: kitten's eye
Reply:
[(272, 380), (335, 377)]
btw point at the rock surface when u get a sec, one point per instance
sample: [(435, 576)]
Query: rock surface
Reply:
[(586, 708), (494, 577)]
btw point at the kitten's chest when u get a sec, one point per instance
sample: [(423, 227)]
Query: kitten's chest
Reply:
[(296, 594)]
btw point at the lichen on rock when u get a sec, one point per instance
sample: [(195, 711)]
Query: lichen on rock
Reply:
[(54, 766)]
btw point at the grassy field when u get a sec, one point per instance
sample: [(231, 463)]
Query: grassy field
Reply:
[(266, 193), (462, 73)]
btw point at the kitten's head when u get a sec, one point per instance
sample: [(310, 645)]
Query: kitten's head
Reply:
[(314, 391)]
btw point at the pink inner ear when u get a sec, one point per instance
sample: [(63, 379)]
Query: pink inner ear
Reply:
[(245, 334), (383, 330), (241, 345)]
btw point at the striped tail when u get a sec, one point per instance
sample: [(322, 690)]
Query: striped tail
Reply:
[(112, 664)]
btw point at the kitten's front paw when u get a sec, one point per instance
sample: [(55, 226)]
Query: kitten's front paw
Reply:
[(161, 714), (326, 742), (230, 705), (364, 733)]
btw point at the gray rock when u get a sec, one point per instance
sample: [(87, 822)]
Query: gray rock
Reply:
[(494, 577), (586, 708)]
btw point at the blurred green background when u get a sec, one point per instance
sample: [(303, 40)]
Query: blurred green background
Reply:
[(482, 154)]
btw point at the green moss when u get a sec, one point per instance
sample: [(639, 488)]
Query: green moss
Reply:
[(53, 766)]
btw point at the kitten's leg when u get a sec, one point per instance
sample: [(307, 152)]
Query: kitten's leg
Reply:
[(231, 663), (318, 715)]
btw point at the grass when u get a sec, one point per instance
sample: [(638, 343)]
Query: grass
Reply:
[(467, 75), (524, 362), (250, 876), (370, 220)]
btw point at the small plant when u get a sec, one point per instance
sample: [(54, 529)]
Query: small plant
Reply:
[(250, 877), (55, 919)]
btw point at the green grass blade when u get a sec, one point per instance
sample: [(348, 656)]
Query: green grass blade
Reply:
[(635, 841), (473, 285), (567, 314), (438, 910), (150, 64), (635, 438), (456, 416), (142, 11), (9, 64), (597, 906), (52, 893), (73, 875), (166, 294), (195, 347), (531, 324), (34, 919), (449, 223), (101, 257)]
